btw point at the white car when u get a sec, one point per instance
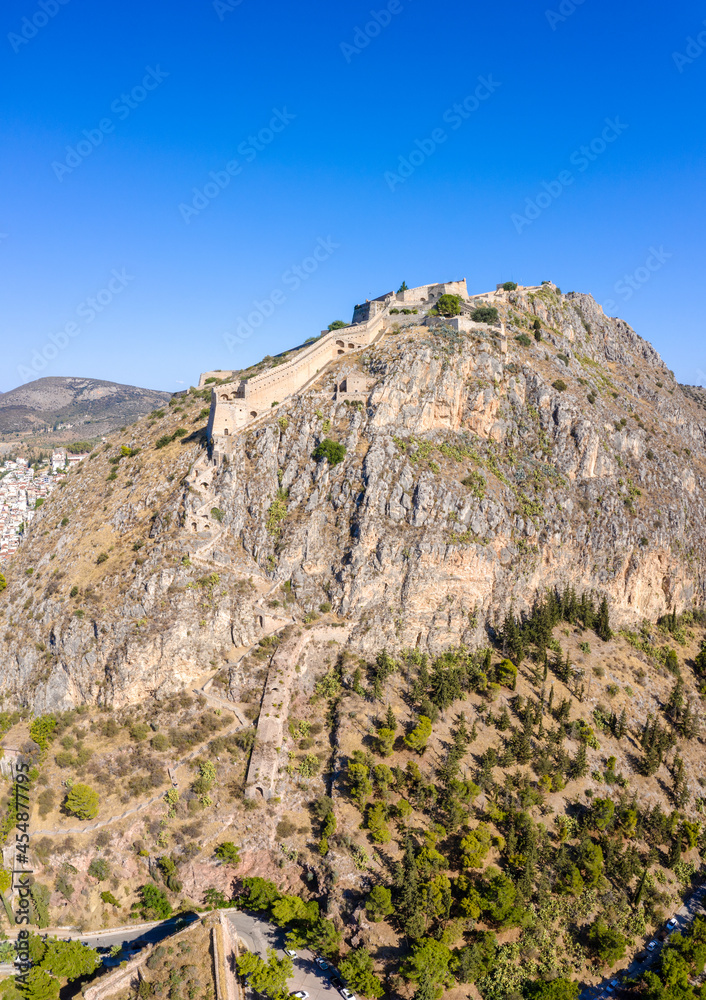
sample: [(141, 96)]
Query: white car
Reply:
[(651, 946), (346, 994), (300, 995), (290, 953), (671, 923)]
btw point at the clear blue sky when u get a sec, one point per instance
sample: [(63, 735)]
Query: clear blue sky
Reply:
[(345, 117)]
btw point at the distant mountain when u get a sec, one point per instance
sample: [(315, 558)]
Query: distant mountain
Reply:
[(90, 405)]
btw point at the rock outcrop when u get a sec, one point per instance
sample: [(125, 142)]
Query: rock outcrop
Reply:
[(473, 479)]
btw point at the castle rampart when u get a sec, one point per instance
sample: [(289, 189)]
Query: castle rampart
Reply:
[(234, 405)]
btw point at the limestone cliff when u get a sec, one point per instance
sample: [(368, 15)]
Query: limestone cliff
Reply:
[(473, 479)]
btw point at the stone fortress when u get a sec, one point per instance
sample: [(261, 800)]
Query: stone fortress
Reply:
[(237, 404)]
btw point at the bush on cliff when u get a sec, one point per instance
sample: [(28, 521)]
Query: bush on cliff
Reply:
[(485, 314), (333, 451)]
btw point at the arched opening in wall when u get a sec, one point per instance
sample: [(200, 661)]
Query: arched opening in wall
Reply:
[(226, 432), (194, 526), (351, 347), (262, 621), (253, 413), (339, 343), (340, 352), (419, 640), (259, 791)]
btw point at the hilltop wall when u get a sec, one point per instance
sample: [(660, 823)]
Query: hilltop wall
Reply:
[(234, 405)]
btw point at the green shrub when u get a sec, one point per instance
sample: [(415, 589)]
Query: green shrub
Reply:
[(3, 583), (155, 904), (109, 898), (103, 557), (159, 742), (509, 286), (523, 339), (217, 514), (337, 324), (485, 314), (449, 305), (163, 441), (82, 801), (99, 869), (180, 432), (74, 591), (560, 385), (333, 451), (42, 730)]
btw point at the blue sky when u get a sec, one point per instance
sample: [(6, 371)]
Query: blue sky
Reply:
[(117, 114)]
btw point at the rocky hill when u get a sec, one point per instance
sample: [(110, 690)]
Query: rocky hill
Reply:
[(448, 645), (472, 481), (94, 407)]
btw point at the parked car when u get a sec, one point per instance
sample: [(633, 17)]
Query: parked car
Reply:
[(651, 946), (300, 995), (337, 983), (290, 953), (320, 962), (346, 994), (615, 983), (671, 923), (641, 956), (609, 990)]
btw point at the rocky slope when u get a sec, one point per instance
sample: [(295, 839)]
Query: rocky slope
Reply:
[(93, 406), (473, 479)]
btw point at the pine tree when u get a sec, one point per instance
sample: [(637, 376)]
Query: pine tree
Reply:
[(622, 725), (390, 719), (676, 700), (674, 852), (579, 765), (523, 743), (461, 735)]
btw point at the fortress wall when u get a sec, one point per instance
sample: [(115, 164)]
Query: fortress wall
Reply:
[(234, 405), (218, 375)]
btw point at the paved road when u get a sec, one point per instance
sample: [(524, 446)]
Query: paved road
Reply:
[(258, 936), (130, 939), (693, 907)]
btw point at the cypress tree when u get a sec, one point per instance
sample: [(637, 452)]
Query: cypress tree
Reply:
[(579, 765), (603, 630)]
